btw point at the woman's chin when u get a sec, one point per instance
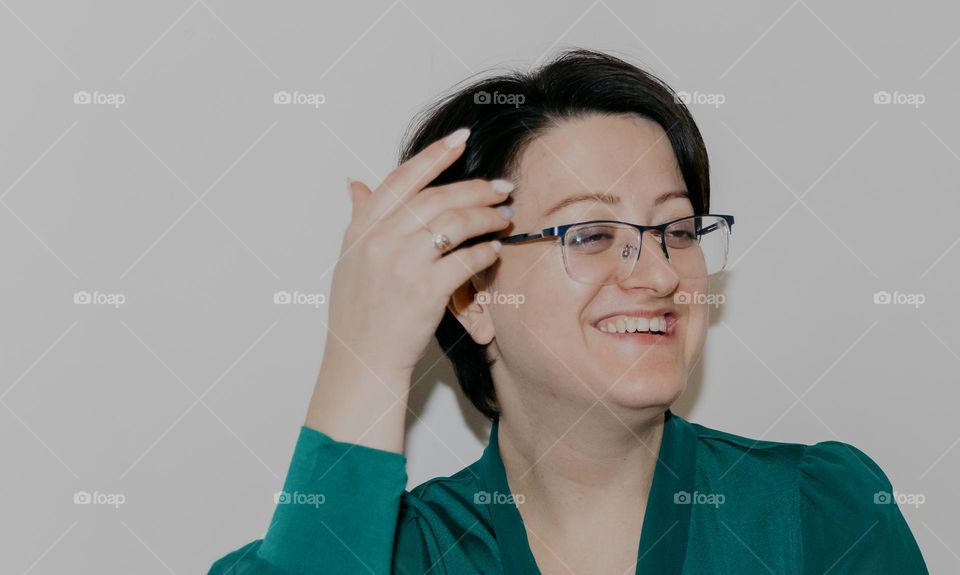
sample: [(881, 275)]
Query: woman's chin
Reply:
[(636, 390)]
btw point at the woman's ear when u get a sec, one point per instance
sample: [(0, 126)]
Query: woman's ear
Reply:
[(473, 315)]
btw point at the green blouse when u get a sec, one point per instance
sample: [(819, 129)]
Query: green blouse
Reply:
[(719, 503)]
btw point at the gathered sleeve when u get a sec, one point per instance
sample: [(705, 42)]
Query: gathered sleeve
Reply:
[(337, 513), (850, 520)]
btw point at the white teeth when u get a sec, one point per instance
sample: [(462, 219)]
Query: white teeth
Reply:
[(630, 324)]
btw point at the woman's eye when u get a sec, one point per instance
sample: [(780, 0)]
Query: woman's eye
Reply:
[(592, 241), (593, 238)]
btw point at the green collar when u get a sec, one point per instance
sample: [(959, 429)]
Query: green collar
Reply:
[(663, 542)]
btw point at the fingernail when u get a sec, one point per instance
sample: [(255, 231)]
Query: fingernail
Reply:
[(495, 244), (506, 212), (502, 186), (457, 138)]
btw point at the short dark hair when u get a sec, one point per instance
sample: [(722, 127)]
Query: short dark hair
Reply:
[(505, 113)]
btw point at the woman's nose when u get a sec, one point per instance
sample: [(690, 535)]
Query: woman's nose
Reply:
[(652, 269)]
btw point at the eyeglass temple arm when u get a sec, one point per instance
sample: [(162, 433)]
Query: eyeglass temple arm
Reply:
[(545, 233)]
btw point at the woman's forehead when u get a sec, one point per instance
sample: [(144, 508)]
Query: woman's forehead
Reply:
[(626, 162)]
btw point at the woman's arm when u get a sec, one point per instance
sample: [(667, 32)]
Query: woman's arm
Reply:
[(353, 403), (850, 522), (337, 513), (390, 289)]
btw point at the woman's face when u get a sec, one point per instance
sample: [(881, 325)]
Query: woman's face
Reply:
[(550, 347)]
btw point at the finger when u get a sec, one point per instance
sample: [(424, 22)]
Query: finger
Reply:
[(413, 175), (461, 225), (431, 202), (359, 193), (457, 267)]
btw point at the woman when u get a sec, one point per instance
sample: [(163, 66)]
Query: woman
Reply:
[(562, 177)]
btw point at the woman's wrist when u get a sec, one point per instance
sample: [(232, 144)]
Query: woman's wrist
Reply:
[(355, 403)]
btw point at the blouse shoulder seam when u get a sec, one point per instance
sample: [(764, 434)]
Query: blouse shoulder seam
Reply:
[(707, 434), (462, 476)]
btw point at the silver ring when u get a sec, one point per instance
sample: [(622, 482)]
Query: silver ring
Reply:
[(441, 242)]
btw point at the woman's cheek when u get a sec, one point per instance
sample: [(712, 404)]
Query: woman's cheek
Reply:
[(696, 332), (698, 318)]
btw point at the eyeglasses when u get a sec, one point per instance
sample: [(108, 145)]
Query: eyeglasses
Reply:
[(602, 252)]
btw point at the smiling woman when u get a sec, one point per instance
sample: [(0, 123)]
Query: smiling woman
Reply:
[(582, 186)]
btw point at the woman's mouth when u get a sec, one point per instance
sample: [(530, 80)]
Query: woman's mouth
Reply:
[(641, 328)]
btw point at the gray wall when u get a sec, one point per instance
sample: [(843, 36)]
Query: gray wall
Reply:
[(187, 197)]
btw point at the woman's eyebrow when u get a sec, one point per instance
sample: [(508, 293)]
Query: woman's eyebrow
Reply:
[(609, 199)]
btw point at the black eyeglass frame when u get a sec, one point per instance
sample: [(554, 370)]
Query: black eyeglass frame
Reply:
[(559, 232)]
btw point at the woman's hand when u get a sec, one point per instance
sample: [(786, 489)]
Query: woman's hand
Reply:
[(391, 286)]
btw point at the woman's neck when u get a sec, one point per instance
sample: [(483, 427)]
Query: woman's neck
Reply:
[(570, 469)]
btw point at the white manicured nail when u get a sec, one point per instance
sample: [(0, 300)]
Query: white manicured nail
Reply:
[(502, 186), (457, 138)]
